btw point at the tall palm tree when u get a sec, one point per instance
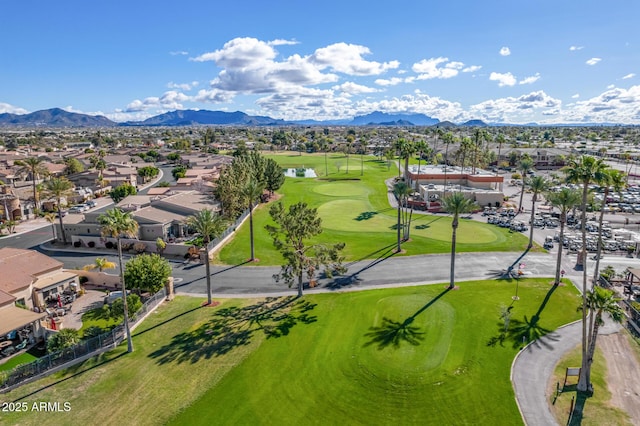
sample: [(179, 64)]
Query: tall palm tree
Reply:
[(565, 201), (421, 147), (538, 184), (51, 218), (525, 165), (447, 139), (209, 224), (251, 192), (600, 301), (616, 180), (402, 191), (500, 139), (59, 188), (406, 150), (35, 167), (584, 170), (117, 224), (456, 204), (101, 263)]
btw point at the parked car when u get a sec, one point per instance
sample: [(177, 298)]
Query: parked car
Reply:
[(91, 204), (76, 209), (62, 213)]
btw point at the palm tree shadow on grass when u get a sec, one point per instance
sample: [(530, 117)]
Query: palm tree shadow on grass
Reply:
[(393, 333), (521, 332), (234, 327)]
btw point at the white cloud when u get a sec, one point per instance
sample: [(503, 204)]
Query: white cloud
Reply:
[(10, 109), (593, 61), (574, 48), (613, 106), (576, 96), (388, 82), (182, 86), (348, 59), (472, 68), (530, 80), (505, 51), (280, 42), (628, 76), (503, 79), (429, 68), (611, 86), (169, 100), (179, 53), (353, 88), (515, 109), (239, 53)]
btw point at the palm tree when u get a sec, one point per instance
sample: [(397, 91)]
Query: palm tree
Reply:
[(565, 201), (500, 139), (101, 263), (599, 301), (447, 139), (525, 165), (251, 192), (402, 191), (584, 170), (456, 204), (208, 224), (420, 146), (118, 224), (51, 218), (616, 180), (538, 184), (35, 167), (406, 149), (59, 188)]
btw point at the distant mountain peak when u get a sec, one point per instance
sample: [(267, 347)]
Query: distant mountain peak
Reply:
[(54, 117)]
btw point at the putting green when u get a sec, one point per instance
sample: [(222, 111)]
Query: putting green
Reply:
[(430, 330), (358, 216), (339, 189)]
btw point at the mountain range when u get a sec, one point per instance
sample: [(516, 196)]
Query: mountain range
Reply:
[(56, 117)]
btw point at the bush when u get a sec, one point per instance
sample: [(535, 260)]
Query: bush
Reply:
[(84, 279), (92, 331)]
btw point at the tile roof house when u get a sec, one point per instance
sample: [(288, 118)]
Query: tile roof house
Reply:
[(29, 279)]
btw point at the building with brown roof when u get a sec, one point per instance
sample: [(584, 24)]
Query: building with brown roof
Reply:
[(29, 280)]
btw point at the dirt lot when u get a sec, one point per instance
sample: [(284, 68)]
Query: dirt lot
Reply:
[(623, 375)]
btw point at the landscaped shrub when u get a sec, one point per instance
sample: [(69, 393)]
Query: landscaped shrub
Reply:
[(139, 247), (84, 279)]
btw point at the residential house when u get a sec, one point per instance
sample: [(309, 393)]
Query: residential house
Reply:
[(30, 279)]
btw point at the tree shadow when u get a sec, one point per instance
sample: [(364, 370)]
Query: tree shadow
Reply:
[(521, 332), (233, 327), (365, 216), (345, 280), (393, 333), (578, 409)]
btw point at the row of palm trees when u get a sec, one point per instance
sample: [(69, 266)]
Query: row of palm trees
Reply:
[(585, 171)]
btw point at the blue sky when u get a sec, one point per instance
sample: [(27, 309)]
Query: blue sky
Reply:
[(504, 61)]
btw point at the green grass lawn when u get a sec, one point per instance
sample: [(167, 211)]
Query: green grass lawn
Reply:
[(355, 210), (414, 355)]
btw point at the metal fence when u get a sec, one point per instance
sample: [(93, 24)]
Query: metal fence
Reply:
[(632, 314), (227, 231), (78, 353)]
